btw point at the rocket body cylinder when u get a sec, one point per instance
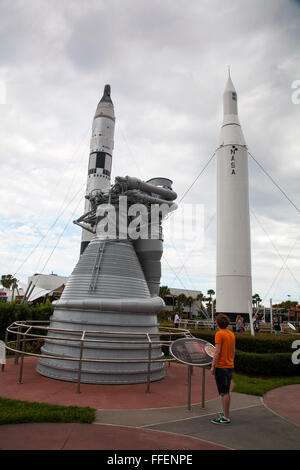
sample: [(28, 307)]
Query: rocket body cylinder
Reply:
[(101, 150), (234, 281)]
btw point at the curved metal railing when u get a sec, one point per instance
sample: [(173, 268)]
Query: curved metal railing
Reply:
[(25, 332)]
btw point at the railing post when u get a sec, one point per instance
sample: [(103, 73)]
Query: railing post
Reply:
[(18, 346), (149, 364), (22, 355), (189, 387), (5, 343), (80, 362), (203, 387), (22, 360)]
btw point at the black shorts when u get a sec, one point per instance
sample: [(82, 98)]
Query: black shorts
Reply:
[(223, 380)]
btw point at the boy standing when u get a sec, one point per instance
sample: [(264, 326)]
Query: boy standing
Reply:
[(222, 365)]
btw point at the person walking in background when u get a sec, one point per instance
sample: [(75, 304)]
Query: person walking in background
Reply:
[(256, 323), (277, 326), (176, 320), (223, 365)]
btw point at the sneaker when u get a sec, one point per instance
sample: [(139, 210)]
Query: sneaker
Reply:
[(221, 414), (221, 420)]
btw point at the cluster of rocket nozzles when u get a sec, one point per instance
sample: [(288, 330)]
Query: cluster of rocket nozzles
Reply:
[(233, 273)]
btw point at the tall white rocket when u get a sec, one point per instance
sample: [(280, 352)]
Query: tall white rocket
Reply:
[(101, 149), (234, 282)]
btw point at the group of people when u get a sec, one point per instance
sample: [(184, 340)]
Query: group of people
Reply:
[(240, 324)]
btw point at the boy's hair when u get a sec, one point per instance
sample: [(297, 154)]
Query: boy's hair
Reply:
[(222, 321)]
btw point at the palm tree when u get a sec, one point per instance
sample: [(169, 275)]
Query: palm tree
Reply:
[(181, 300), (189, 301), (8, 281), (210, 293), (163, 291), (200, 297), (256, 300)]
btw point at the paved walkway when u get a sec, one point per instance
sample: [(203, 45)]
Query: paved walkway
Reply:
[(171, 391), (129, 418), (285, 401)]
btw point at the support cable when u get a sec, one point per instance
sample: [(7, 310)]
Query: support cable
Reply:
[(46, 234), (62, 233), (274, 182), (275, 248), (197, 177), (181, 199), (283, 265)]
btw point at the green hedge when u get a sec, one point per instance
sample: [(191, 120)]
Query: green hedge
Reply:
[(276, 365), (261, 343), (207, 335), (12, 311)]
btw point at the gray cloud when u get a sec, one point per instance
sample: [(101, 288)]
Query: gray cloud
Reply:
[(167, 64)]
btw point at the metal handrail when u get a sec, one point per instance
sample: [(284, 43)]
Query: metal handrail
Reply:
[(16, 328)]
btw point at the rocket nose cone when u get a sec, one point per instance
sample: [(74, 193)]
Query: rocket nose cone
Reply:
[(107, 90), (229, 85), (106, 94)]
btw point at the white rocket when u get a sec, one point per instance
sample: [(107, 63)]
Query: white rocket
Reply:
[(234, 282), (101, 148)]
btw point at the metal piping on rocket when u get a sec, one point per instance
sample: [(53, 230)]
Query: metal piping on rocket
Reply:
[(135, 183)]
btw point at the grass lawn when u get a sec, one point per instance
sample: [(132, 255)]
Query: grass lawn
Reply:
[(260, 386), (16, 412)]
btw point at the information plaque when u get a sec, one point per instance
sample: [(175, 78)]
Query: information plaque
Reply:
[(192, 351)]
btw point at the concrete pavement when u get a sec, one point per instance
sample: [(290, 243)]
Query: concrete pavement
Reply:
[(129, 418)]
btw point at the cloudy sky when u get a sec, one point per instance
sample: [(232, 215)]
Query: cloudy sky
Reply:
[(166, 61)]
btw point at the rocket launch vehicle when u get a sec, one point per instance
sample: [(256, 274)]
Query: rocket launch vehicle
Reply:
[(233, 277), (101, 150)]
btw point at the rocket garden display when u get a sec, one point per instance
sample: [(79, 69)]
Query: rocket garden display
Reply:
[(112, 293)]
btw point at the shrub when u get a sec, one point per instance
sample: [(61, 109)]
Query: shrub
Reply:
[(207, 335), (12, 311), (265, 343), (276, 365)]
